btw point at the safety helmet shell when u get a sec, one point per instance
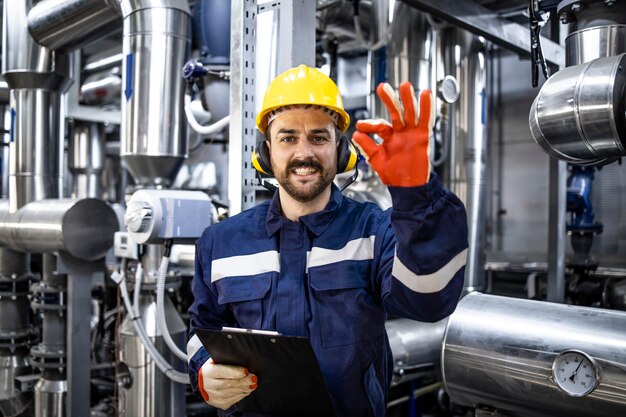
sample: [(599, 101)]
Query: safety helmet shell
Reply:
[(302, 85)]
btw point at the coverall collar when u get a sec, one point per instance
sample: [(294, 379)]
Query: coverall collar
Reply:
[(315, 222)]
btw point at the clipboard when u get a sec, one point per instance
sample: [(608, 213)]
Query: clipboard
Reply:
[(290, 380)]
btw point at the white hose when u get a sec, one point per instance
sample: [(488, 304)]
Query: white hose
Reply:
[(137, 290), (162, 364), (160, 310), (204, 130)]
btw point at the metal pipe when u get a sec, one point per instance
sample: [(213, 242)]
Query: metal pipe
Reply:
[(408, 56), (597, 42), (86, 159), (71, 24), (103, 64), (102, 89), (416, 348), (511, 355), (35, 169), (50, 301), (15, 328), (156, 42), (411, 48), (35, 76), (5, 127), (82, 228), (464, 58), (151, 393)]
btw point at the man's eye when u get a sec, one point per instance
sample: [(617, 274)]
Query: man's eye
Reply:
[(287, 139), (319, 139)]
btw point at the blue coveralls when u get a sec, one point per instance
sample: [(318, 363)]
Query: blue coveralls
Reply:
[(333, 277)]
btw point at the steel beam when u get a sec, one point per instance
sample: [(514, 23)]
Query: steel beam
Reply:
[(483, 22), (242, 133)]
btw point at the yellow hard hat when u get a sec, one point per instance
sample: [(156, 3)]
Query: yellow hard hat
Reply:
[(302, 85)]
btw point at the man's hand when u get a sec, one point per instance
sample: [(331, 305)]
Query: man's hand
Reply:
[(403, 159), (223, 385)]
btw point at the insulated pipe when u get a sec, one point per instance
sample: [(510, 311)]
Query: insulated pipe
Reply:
[(82, 228), (36, 76), (465, 175), (156, 42), (71, 24), (86, 159), (35, 171), (511, 356), (416, 349), (408, 57), (5, 125)]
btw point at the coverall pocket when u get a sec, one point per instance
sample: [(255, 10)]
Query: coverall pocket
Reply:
[(344, 306), (245, 296)]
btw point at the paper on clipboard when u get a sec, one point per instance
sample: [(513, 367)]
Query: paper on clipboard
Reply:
[(289, 377)]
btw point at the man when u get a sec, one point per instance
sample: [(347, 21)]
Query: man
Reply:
[(314, 263)]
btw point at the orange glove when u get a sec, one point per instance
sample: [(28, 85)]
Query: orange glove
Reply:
[(222, 386), (403, 159)]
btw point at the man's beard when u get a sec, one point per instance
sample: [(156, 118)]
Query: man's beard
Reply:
[(308, 192)]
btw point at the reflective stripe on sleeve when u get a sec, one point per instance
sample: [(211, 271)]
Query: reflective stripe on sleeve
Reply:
[(193, 346), (428, 283), (355, 250), (245, 265)]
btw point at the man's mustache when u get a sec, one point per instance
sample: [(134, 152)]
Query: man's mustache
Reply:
[(304, 163)]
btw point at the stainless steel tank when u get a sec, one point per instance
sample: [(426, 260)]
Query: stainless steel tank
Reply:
[(151, 393), (156, 43), (534, 358)]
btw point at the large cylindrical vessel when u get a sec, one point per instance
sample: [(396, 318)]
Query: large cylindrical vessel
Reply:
[(151, 393), (72, 24), (156, 42), (533, 358), (464, 134)]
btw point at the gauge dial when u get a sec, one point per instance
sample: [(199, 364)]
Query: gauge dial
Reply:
[(575, 373)]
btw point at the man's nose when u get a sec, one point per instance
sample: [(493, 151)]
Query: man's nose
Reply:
[(304, 149)]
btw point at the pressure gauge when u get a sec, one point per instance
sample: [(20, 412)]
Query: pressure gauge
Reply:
[(575, 373)]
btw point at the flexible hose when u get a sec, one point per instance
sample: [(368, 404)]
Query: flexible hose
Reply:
[(204, 130), (162, 364), (160, 310), (137, 290)]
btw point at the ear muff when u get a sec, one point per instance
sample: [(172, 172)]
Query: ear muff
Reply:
[(261, 158), (347, 155)]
